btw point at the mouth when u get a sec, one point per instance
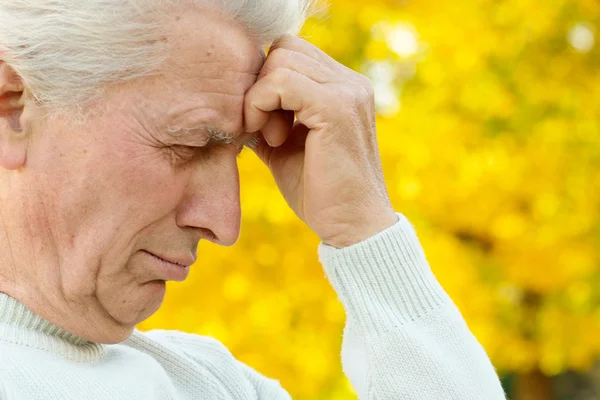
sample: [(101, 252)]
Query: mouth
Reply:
[(171, 260), (167, 269)]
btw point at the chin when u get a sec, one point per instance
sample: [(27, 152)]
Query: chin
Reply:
[(157, 290), (128, 312)]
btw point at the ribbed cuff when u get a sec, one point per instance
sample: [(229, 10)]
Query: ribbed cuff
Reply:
[(384, 281)]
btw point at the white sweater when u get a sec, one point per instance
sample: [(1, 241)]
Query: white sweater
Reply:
[(404, 340)]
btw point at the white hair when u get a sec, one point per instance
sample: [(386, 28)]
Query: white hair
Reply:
[(67, 51)]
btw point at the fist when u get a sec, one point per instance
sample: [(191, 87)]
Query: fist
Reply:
[(316, 123)]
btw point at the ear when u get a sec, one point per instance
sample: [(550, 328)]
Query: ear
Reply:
[(13, 141)]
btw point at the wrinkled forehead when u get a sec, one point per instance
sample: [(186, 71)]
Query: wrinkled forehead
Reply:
[(207, 37), (212, 62)]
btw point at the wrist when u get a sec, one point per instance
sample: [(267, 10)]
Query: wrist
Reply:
[(362, 229)]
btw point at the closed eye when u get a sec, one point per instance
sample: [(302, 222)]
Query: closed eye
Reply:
[(180, 153), (185, 153)]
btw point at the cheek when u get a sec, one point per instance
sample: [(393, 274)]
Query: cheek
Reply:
[(103, 195), (119, 200), (137, 190), (146, 185)]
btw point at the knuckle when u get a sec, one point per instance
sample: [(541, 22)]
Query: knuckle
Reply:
[(367, 86), (279, 57), (281, 75), (349, 95), (369, 94)]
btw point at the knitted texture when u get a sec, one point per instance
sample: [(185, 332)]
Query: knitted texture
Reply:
[(404, 340)]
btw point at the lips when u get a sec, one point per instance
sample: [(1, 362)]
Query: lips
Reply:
[(180, 261), (166, 269)]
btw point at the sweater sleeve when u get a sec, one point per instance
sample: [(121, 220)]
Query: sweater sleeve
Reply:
[(404, 338)]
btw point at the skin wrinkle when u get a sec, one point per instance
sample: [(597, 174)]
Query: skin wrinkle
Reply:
[(218, 63), (194, 112), (214, 135), (133, 133), (219, 80), (10, 249), (153, 139), (59, 276), (214, 86)]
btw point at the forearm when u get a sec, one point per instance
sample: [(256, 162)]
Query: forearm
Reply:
[(404, 338)]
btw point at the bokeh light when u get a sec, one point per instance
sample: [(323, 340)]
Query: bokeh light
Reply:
[(581, 37)]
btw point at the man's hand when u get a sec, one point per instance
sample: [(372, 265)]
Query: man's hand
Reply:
[(327, 163)]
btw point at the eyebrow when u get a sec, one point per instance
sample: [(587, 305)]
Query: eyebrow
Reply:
[(216, 136)]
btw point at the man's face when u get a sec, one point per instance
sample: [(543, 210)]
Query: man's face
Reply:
[(102, 201)]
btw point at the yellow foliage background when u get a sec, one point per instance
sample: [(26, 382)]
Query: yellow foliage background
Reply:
[(489, 133)]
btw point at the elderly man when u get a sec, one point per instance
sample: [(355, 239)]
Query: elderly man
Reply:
[(120, 123)]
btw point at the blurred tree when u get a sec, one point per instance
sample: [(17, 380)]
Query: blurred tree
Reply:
[(489, 134)]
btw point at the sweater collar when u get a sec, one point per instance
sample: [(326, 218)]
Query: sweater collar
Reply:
[(20, 325)]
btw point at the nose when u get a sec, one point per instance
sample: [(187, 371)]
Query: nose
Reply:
[(211, 203)]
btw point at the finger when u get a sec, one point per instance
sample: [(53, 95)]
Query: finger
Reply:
[(288, 90), (299, 62), (277, 127), (293, 146)]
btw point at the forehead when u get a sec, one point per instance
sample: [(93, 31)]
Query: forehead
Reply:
[(212, 63)]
